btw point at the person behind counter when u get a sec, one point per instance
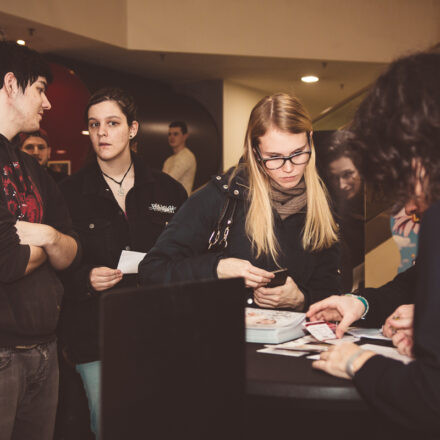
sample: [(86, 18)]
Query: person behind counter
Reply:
[(278, 213), (397, 131), (116, 203)]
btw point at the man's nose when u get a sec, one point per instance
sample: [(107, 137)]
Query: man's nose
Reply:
[(46, 104)]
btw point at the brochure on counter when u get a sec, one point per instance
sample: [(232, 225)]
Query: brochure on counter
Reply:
[(273, 326)]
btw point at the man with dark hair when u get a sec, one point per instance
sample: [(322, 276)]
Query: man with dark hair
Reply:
[(182, 164), (37, 145), (34, 224)]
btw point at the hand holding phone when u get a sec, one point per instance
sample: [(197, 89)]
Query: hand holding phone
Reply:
[(279, 279)]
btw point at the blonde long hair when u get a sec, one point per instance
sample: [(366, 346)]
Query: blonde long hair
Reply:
[(285, 113)]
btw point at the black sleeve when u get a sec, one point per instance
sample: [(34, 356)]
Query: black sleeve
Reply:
[(384, 300), (181, 251), (14, 257), (410, 394), (326, 278)]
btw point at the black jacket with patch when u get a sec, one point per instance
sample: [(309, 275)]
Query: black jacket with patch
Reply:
[(181, 252), (104, 231)]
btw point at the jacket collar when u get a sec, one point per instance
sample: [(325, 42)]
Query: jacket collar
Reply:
[(94, 182), (237, 186)]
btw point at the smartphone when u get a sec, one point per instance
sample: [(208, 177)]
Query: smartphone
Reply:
[(279, 279)]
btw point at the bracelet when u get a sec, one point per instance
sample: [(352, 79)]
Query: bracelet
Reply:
[(350, 362), (363, 301)]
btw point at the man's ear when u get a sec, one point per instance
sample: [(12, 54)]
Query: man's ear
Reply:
[(10, 85), (185, 137), (48, 153)]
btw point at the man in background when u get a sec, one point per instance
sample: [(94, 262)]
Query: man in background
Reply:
[(35, 242), (182, 164), (37, 145)]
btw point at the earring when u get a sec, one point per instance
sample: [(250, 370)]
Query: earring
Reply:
[(131, 136)]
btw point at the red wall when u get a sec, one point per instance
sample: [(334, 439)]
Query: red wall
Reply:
[(64, 122)]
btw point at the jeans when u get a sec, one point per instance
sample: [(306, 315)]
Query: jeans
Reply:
[(91, 376), (28, 392)]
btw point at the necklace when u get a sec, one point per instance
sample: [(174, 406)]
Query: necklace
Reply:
[(120, 190)]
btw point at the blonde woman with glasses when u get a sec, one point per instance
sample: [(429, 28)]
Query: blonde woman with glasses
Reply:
[(269, 212)]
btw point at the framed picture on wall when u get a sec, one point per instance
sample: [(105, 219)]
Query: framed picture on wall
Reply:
[(60, 166)]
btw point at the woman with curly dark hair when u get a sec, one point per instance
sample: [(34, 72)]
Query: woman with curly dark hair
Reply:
[(397, 132)]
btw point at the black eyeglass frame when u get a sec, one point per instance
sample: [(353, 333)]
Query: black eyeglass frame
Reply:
[(285, 158)]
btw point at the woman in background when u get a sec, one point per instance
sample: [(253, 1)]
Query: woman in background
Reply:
[(276, 214), (116, 203)]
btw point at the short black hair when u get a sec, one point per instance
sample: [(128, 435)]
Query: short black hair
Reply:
[(26, 64), (399, 121), (39, 133), (121, 97), (180, 124)]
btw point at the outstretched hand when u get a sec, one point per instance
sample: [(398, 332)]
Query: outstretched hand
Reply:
[(345, 309)]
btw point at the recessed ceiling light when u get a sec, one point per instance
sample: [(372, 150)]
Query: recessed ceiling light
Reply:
[(309, 79), (85, 132), (21, 42)]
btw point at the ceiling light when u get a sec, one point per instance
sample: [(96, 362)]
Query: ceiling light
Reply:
[(21, 42), (85, 132), (309, 79)]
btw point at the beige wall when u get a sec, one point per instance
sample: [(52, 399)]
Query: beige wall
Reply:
[(353, 30), (102, 20), (238, 101), (381, 264)]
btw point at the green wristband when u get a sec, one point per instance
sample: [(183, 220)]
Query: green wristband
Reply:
[(363, 301)]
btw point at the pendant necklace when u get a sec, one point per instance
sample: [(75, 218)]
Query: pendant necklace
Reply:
[(120, 190)]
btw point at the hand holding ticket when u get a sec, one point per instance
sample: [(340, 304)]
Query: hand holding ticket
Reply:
[(321, 330)]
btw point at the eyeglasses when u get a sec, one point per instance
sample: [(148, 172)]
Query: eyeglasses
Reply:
[(274, 163)]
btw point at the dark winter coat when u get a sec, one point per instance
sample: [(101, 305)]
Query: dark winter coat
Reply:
[(181, 252)]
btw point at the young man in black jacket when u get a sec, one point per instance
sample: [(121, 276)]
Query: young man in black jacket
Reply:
[(34, 243)]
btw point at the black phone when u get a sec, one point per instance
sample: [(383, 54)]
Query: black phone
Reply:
[(279, 279)]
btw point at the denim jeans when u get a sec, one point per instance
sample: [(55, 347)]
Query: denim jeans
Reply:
[(28, 392), (91, 376)]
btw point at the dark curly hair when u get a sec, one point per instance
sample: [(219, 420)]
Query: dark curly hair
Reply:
[(399, 121)]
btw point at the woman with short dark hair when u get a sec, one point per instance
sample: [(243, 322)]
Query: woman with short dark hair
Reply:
[(116, 203)]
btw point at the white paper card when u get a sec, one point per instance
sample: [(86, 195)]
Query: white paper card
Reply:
[(271, 350), (389, 352), (371, 333), (129, 261), (320, 330)]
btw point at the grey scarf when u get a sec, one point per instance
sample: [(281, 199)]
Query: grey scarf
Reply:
[(288, 201)]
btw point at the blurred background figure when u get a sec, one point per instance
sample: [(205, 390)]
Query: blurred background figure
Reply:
[(37, 145), (182, 164), (347, 191)]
